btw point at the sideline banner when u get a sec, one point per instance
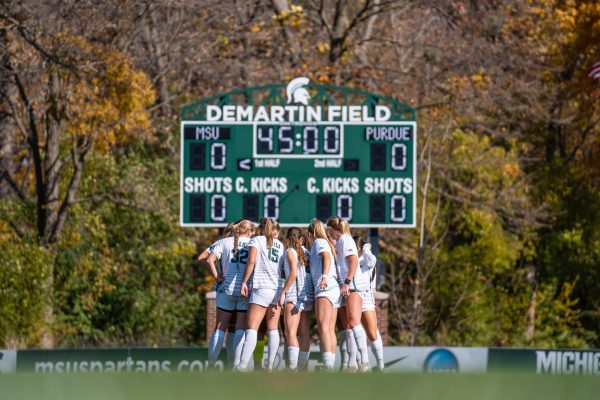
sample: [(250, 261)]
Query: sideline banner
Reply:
[(540, 361), (397, 359), (8, 361), (188, 359)]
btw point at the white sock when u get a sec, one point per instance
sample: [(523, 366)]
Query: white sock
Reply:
[(344, 348), (273, 346), (293, 357), (328, 361), (215, 345), (351, 348), (360, 336), (240, 334), (230, 347), (248, 349), (303, 360), (377, 347)]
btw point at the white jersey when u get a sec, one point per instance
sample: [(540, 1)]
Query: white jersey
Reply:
[(366, 263), (302, 288), (316, 261), (233, 266), (219, 266), (268, 269), (212, 247), (345, 246)]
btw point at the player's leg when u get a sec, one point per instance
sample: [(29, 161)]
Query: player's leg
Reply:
[(273, 313), (230, 341), (354, 313), (216, 339), (333, 338), (347, 335), (259, 351), (255, 315), (369, 320), (240, 329), (304, 339), (292, 321), (324, 311)]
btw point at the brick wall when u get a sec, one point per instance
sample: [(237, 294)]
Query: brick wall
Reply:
[(381, 307), (211, 313)]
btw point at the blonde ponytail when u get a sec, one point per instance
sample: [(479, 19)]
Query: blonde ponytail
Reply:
[(240, 228), (339, 224), (317, 228), (267, 228)]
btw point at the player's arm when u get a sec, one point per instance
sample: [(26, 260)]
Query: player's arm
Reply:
[(202, 259), (352, 261), (293, 263), (211, 261), (252, 252), (325, 256), (369, 259)]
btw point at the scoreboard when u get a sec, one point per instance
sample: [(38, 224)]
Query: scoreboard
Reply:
[(363, 171)]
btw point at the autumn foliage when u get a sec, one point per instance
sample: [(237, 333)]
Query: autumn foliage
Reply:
[(507, 244)]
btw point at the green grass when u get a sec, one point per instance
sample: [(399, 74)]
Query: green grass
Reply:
[(285, 386)]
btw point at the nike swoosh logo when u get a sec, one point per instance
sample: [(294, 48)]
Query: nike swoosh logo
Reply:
[(390, 363)]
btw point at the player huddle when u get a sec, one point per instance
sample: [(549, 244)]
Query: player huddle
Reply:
[(322, 269)]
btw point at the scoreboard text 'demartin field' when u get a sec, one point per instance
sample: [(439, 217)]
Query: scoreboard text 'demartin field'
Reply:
[(298, 157)]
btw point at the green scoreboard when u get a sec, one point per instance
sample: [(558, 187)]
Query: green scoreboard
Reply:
[(345, 161)]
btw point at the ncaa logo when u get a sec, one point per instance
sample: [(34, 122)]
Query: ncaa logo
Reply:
[(441, 360)]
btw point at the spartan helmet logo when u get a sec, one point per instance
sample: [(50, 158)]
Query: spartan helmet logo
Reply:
[(296, 93)]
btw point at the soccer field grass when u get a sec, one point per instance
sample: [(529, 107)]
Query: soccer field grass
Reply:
[(287, 386)]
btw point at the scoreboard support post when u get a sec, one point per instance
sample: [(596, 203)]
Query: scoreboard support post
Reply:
[(374, 240)]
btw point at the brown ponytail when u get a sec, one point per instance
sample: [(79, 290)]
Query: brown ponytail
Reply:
[(293, 240)]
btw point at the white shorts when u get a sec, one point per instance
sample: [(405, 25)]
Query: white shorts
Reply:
[(231, 303), (303, 302), (301, 305), (264, 297), (332, 292), (363, 296), (368, 302)]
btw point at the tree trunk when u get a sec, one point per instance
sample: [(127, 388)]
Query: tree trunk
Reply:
[(55, 125), (531, 278), (7, 128)]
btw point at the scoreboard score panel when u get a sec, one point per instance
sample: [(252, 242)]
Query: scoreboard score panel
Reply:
[(293, 172)]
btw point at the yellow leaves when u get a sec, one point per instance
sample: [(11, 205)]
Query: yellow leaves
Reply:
[(6, 232), (294, 18), (224, 40), (481, 79), (322, 47), (511, 170), (258, 27), (109, 102), (206, 285)]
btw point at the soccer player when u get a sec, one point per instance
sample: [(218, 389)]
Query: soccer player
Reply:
[(233, 253), (297, 298), (367, 261), (218, 276), (265, 263), (324, 275), (354, 286)]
